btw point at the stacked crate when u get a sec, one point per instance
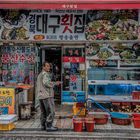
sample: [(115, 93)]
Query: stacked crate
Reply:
[(7, 122)]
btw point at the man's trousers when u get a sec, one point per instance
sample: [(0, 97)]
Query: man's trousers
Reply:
[(47, 107)]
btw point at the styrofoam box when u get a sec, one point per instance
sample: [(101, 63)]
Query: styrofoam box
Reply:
[(6, 119)]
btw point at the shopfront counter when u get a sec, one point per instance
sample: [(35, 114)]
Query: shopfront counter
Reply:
[(12, 96)]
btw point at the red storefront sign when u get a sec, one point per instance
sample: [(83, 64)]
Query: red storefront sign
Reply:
[(70, 4), (74, 59)]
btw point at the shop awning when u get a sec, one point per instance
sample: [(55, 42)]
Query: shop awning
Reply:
[(70, 4)]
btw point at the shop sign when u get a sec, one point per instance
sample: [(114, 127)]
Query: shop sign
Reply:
[(69, 6), (74, 59), (57, 25), (7, 100)]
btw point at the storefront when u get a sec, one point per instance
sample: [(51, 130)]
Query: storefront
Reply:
[(93, 50)]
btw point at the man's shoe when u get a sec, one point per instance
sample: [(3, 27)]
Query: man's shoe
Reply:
[(49, 129)]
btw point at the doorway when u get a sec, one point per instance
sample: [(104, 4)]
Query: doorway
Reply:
[(53, 56)]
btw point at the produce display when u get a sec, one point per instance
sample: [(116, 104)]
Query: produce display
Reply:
[(136, 108), (125, 108)]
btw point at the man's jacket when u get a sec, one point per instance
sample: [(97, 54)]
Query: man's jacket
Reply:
[(44, 86)]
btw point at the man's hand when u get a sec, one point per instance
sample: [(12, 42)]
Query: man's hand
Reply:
[(58, 82)]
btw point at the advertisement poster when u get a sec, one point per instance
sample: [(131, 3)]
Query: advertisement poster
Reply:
[(14, 25), (112, 25), (115, 51), (7, 101)]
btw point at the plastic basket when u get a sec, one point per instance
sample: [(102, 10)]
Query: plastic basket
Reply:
[(118, 121), (7, 127), (101, 119), (79, 109)]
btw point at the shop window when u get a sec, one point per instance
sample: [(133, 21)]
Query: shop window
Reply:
[(73, 74), (113, 69), (18, 63)]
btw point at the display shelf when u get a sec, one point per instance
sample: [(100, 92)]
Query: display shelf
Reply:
[(105, 82), (106, 98), (106, 113)]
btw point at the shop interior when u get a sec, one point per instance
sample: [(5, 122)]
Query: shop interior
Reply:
[(53, 55)]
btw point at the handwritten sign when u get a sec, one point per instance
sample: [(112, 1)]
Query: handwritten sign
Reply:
[(7, 99)]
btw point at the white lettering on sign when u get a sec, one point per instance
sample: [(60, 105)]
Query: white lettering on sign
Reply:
[(69, 6)]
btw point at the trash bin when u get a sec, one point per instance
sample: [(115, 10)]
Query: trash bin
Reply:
[(25, 111)]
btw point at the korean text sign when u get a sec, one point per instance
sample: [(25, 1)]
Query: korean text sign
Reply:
[(57, 25)]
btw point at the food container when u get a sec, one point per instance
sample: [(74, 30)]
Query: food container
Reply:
[(121, 121), (89, 125), (136, 95), (101, 119), (7, 127), (136, 115), (89, 118), (136, 120), (78, 124)]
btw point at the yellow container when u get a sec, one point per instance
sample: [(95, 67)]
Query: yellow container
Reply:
[(79, 109), (7, 127)]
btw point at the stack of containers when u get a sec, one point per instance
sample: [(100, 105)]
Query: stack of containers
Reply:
[(79, 124), (7, 122)]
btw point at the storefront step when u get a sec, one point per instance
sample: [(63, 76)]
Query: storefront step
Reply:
[(68, 135)]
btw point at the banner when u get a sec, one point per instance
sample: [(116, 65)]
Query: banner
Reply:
[(57, 25)]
